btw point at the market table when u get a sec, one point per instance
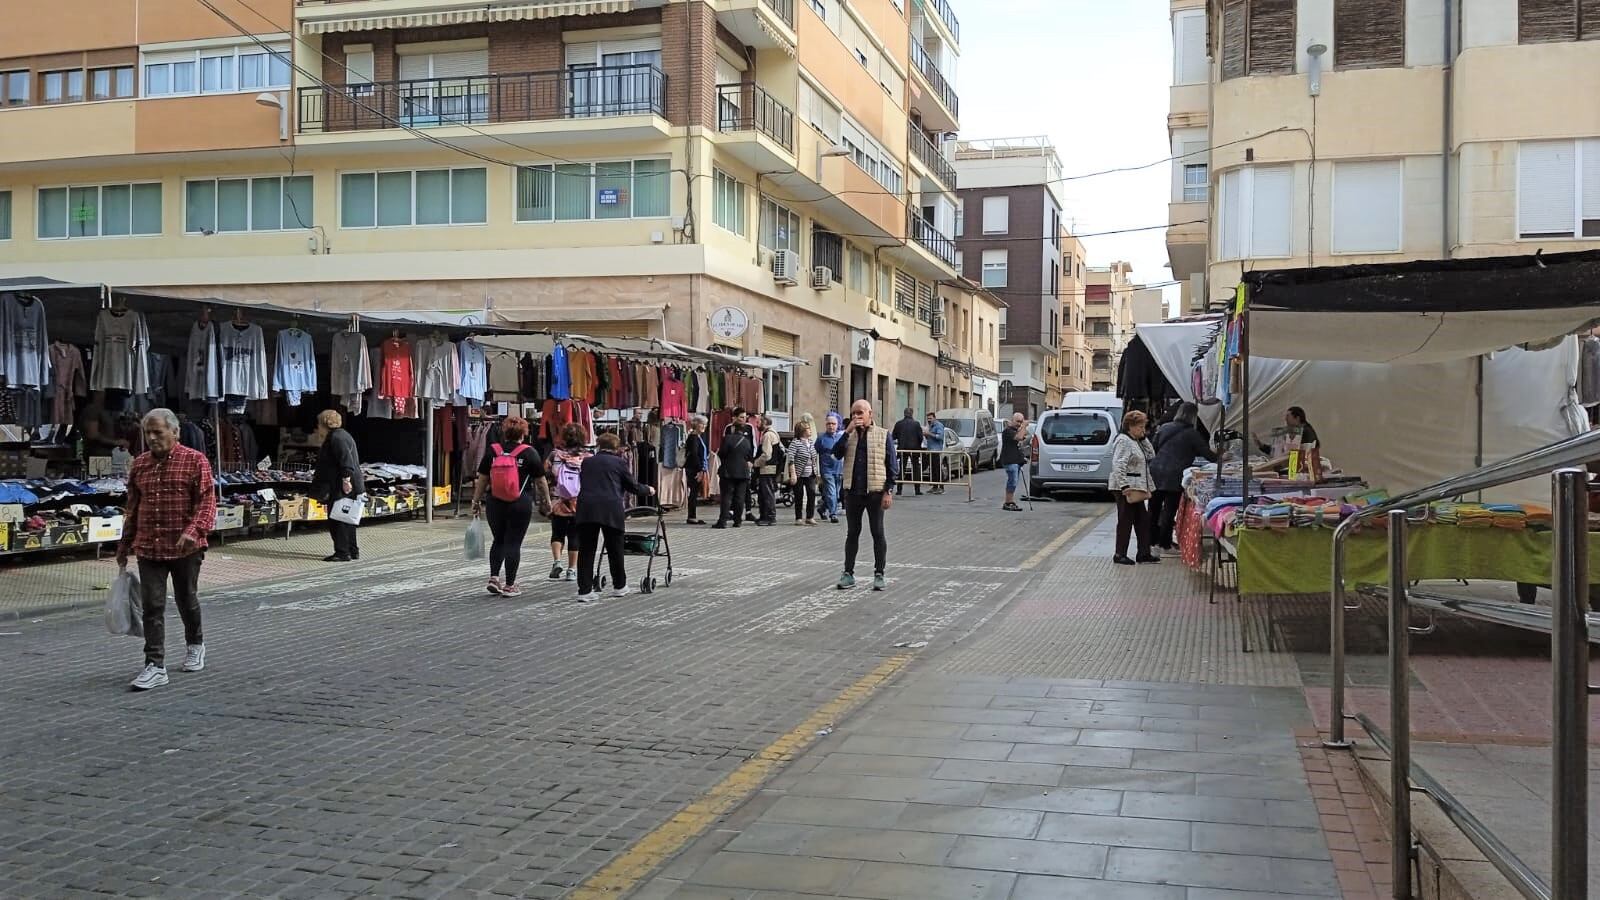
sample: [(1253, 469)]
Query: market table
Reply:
[(1300, 560)]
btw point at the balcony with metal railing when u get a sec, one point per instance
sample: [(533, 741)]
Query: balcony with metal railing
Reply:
[(567, 94), (929, 155), (748, 107), (924, 233), (928, 70), (941, 10), (784, 9)]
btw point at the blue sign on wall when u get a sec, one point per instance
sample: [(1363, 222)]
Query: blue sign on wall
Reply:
[(610, 196)]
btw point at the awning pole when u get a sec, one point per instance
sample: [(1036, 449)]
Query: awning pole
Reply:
[(1477, 457), (427, 431), (1244, 391)]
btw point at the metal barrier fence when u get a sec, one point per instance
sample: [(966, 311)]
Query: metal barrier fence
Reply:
[(1571, 629), (936, 468)]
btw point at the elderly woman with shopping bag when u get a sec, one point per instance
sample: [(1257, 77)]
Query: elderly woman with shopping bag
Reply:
[(1131, 453)]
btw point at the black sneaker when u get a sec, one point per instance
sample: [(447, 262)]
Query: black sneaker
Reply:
[(337, 557), (557, 571)]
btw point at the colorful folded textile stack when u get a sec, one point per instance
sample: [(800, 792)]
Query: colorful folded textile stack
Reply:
[(1296, 512)]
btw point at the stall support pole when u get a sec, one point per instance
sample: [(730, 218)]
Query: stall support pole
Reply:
[(1244, 394), (216, 429), (1399, 708), (1569, 651), (427, 450)]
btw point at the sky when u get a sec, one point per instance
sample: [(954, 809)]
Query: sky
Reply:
[(1093, 75)]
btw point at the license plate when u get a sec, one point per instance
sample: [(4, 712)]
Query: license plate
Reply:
[(1076, 467)]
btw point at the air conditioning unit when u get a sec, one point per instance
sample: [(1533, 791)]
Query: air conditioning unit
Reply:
[(822, 279), (936, 327), (831, 367), (785, 267)]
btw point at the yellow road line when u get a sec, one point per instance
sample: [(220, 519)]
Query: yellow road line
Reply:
[(1060, 541), (625, 872)]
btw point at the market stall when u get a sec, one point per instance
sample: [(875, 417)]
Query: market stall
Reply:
[(82, 363), (1412, 372)]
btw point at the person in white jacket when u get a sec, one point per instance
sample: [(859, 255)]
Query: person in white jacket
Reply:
[(1131, 453)]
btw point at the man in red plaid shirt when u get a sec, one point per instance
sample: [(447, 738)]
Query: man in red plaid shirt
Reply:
[(172, 506)]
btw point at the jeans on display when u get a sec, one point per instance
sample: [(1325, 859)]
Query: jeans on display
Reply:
[(185, 575)]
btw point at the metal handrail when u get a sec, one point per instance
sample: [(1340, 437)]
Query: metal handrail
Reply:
[(1572, 451), (1569, 627), (1512, 615), (923, 232), (784, 9), (923, 63)]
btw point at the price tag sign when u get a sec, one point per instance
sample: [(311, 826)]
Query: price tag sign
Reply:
[(11, 512), (267, 494), (99, 465)]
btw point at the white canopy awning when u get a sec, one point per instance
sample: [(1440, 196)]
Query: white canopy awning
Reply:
[(369, 16)]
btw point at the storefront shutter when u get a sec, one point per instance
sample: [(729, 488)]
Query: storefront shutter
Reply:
[(779, 343), (1369, 33), (1271, 36)]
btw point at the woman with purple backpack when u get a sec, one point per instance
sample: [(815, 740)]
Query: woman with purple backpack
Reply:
[(513, 475), (566, 464)]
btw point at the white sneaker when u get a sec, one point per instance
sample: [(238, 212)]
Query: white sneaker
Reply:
[(195, 659), (621, 591), (572, 575), (153, 676), (587, 598)]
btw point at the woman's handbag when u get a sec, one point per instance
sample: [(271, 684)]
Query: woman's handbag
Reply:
[(1134, 495), (348, 509)]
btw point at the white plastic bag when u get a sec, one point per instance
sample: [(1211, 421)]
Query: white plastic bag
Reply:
[(348, 509), (125, 606), (474, 540)]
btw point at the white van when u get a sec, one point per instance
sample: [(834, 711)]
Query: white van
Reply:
[(974, 431)]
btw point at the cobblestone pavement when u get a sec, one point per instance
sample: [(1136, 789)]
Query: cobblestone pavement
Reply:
[(38, 584), (1029, 762), (389, 729)]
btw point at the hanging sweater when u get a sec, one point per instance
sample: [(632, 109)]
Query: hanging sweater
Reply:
[(121, 359), (243, 351), (296, 370), (24, 342)]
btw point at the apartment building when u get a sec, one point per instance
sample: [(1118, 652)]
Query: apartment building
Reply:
[(1365, 131), (1108, 310), (1075, 357), (607, 167), (1010, 236)]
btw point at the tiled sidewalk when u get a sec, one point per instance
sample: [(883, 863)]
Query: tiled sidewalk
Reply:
[(961, 784)]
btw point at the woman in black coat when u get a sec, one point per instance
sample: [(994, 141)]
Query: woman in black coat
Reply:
[(337, 476), (1178, 444), (603, 479)]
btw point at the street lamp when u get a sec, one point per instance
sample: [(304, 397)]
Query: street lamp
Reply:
[(1315, 51), (281, 101)]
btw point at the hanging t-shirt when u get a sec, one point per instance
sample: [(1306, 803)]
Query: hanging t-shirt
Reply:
[(352, 369), (395, 381), (474, 370), (201, 372), (121, 344), (242, 350), (24, 342), (296, 370), (560, 376), (70, 382), (435, 363)]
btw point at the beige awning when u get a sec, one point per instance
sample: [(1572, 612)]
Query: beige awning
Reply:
[(361, 17), (558, 314)]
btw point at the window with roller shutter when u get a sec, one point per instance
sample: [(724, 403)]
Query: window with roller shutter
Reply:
[(1257, 37), (1547, 21), (1369, 33), (1558, 189)]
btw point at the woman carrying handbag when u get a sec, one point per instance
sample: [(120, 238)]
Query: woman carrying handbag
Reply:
[(1130, 482)]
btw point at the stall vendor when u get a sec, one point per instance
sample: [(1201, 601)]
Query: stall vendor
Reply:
[(1309, 445)]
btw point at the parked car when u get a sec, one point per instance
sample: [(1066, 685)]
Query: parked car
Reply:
[(975, 433), (1072, 450)]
